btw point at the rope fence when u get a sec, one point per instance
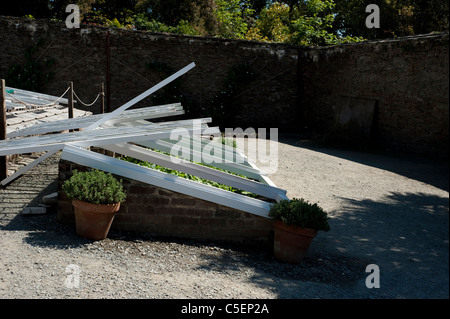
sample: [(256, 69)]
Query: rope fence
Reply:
[(55, 102), (33, 106), (86, 104), (37, 105)]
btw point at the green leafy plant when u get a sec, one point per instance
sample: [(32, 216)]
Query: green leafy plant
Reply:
[(228, 142), (190, 176), (299, 212), (95, 187)]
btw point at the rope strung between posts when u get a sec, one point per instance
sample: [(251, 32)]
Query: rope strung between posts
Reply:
[(37, 105), (85, 104)]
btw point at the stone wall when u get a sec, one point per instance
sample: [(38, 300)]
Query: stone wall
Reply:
[(406, 79), (162, 212), (79, 55)]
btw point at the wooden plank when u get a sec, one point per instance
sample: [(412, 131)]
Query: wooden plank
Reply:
[(36, 95), (208, 173), (140, 97), (164, 180), (24, 169), (3, 159), (89, 138), (107, 117), (84, 121), (166, 146)]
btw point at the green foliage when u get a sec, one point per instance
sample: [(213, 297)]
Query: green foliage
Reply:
[(31, 74), (95, 187), (232, 16), (228, 142), (189, 176), (272, 25), (397, 18), (307, 23), (299, 212), (141, 22)]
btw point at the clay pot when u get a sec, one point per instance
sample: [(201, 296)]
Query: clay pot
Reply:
[(93, 221), (291, 242)]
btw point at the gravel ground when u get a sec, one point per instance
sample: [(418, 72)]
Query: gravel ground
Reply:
[(387, 210)]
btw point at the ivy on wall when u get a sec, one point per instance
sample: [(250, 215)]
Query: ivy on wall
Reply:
[(32, 75)]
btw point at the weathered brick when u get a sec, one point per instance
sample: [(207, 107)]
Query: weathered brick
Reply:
[(183, 201), (165, 192), (179, 220), (141, 189), (240, 222), (128, 218), (156, 219), (212, 222)]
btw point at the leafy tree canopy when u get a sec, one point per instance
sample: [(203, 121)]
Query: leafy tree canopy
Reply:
[(302, 22)]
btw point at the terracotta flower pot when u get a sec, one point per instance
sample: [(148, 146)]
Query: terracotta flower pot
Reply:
[(291, 242), (93, 221)]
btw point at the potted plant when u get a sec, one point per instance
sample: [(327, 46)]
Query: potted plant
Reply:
[(296, 223), (96, 197)]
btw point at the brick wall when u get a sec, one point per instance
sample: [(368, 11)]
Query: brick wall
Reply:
[(79, 55), (162, 212), (408, 80)]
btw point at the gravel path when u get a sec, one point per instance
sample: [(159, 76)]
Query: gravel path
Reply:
[(386, 210)]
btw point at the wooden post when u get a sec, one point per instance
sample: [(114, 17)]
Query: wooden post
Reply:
[(102, 94), (3, 159), (71, 100), (108, 73)]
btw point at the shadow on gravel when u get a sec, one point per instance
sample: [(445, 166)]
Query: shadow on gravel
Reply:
[(431, 171), (400, 233), (317, 266), (12, 217), (403, 227)]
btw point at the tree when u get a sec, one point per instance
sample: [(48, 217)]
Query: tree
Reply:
[(305, 23), (36, 8), (397, 17), (232, 16), (191, 16)]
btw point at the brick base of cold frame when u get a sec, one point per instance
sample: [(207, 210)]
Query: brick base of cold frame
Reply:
[(161, 212)]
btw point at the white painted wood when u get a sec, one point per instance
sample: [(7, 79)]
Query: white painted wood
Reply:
[(229, 154), (118, 111), (86, 138), (140, 97), (84, 121), (208, 173), (166, 146), (167, 181), (24, 169), (36, 96)]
